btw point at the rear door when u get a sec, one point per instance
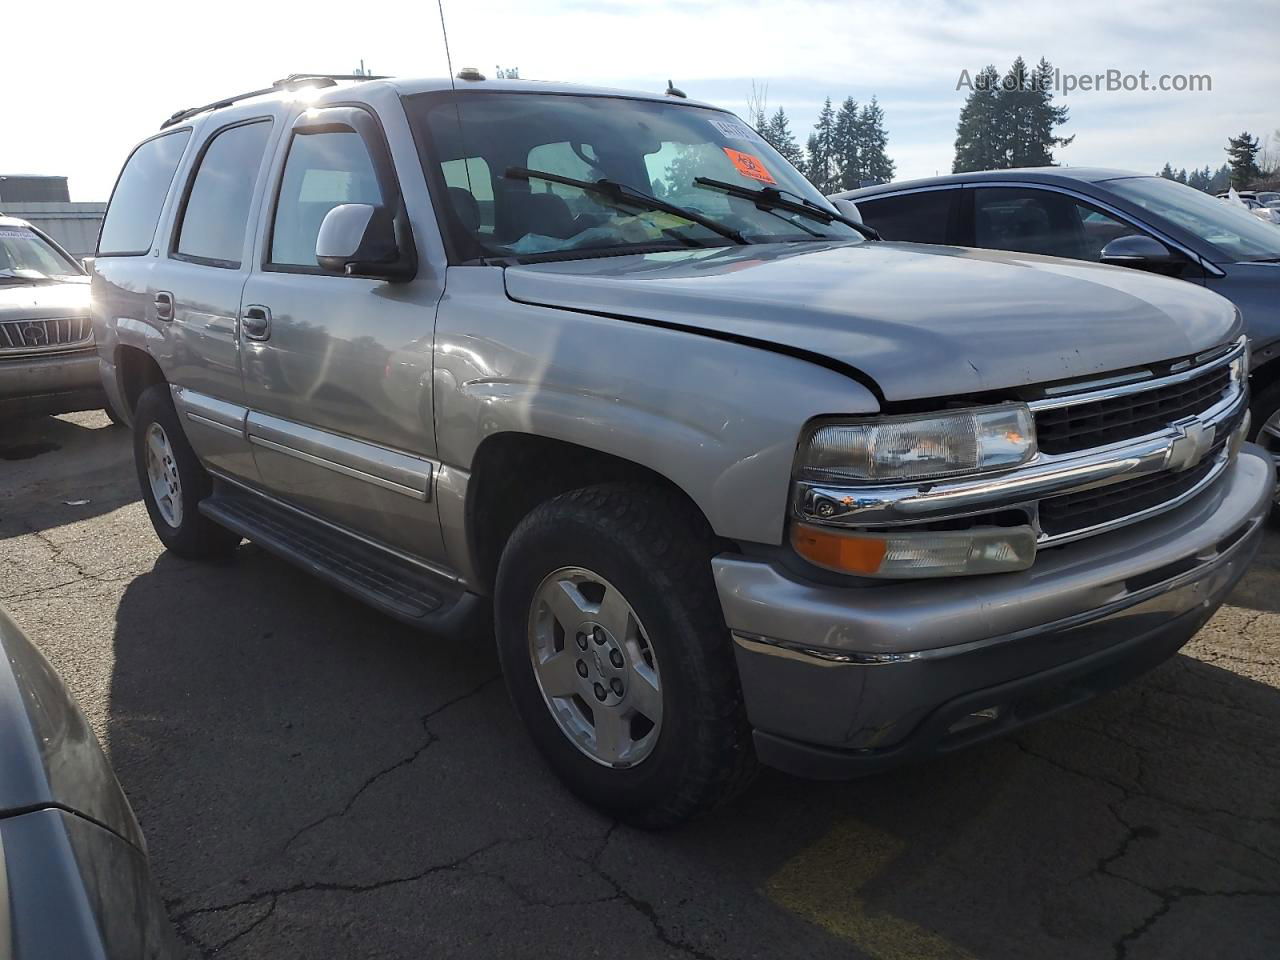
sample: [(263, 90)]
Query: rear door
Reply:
[(338, 369), (127, 258), (209, 253)]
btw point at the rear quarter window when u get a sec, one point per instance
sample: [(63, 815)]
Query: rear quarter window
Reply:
[(136, 202), (915, 217)]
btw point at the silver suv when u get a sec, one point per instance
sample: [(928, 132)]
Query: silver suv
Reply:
[(738, 482), (48, 363)]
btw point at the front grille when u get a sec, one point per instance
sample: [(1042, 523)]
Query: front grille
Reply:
[(42, 334), (1070, 429), (1070, 512)]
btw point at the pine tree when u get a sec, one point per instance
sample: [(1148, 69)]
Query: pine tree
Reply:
[(821, 150), (1167, 172), (1181, 175), (976, 146), (1034, 117), (783, 140), (873, 139), (1220, 180), (846, 143), (1243, 154)]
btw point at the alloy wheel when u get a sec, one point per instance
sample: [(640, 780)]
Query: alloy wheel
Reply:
[(595, 667)]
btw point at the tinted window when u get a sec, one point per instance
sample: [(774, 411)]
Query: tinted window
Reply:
[(217, 210), (1100, 228), (918, 217), (1052, 224), (323, 170), (130, 224)]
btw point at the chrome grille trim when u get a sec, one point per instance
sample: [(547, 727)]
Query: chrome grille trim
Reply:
[(877, 507), (1141, 386), (45, 334)]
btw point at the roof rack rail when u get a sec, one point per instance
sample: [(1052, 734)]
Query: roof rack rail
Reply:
[(290, 82)]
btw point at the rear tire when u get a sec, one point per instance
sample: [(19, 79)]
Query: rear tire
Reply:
[(653, 550), (173, 481)]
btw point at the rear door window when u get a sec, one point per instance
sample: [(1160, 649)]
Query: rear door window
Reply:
[(134, 212), (323, 170), (215, 217), (916, 217)]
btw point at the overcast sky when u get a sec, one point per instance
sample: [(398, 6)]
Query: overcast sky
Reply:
[(88, 80)]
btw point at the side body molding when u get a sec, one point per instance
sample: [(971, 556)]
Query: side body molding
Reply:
[(390, 469), (393, 470)]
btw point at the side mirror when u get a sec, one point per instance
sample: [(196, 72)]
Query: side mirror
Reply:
[(359, 240), (848, 209), (1143, 253)]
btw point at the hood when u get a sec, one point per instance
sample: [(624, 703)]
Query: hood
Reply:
[(921, 321), (49, 756), (39, 301)]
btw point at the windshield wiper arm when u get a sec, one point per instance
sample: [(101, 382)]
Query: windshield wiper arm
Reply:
[(623, 195), (771, 198)]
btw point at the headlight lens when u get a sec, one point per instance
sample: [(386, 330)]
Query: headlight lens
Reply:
[(920, 447)]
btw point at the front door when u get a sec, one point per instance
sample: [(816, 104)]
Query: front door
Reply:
[(338, 369)]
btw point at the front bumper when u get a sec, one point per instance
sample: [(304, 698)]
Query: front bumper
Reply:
[(841, 681), (52, 383)]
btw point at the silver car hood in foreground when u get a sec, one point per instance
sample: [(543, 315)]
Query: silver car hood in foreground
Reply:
[(921, 321)]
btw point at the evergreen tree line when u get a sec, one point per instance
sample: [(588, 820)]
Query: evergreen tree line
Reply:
[(1248, 166), (847, 148), (1009, 121)]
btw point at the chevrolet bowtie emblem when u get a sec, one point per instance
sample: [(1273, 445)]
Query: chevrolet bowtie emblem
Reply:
[(1191, 445)]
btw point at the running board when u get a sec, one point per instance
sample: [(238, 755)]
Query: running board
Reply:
[(385, 581)]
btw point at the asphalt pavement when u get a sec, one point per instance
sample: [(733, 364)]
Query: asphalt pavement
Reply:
[(317, 781)]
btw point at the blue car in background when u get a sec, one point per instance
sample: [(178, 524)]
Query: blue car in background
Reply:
[(1108, 216)]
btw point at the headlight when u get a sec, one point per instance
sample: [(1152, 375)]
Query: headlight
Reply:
[(925, 553), (915, 447)]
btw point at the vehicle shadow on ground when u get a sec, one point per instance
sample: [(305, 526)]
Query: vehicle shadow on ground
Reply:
[(58, 470), (316, 780)]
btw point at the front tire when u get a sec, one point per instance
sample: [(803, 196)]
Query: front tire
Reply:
[(616, 654), (173, 481), (1265, 412)]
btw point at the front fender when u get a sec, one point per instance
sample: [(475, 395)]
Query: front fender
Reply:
[(719, 419)]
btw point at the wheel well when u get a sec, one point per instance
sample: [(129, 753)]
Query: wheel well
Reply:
[(137, 371), (514, 472)]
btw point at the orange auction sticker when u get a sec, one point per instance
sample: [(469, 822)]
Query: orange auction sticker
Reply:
[(748, 165)]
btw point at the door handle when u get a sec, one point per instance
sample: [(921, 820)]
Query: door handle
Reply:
[(255, 321), (164, 305)]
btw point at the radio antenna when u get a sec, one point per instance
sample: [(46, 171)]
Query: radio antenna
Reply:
[(448, 59), (457, 108)]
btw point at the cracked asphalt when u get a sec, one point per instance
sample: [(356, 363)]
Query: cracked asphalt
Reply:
[(317, 781)]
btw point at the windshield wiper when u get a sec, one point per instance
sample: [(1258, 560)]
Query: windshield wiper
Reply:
[(771, 198), (622, 195)]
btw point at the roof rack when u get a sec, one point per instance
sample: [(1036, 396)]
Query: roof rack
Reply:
[(291, 82)]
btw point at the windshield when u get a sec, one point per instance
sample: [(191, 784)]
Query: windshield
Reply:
[(1230, 229), (25, 255), (480, 148)]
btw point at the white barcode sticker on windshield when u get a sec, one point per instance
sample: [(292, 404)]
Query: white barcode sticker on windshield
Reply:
[(734, 130), (15, 234)]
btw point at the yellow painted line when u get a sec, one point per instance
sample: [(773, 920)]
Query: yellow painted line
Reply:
[(824, 884)]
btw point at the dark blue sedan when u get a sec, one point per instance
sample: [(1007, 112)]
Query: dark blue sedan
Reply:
[(1108, 216)]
